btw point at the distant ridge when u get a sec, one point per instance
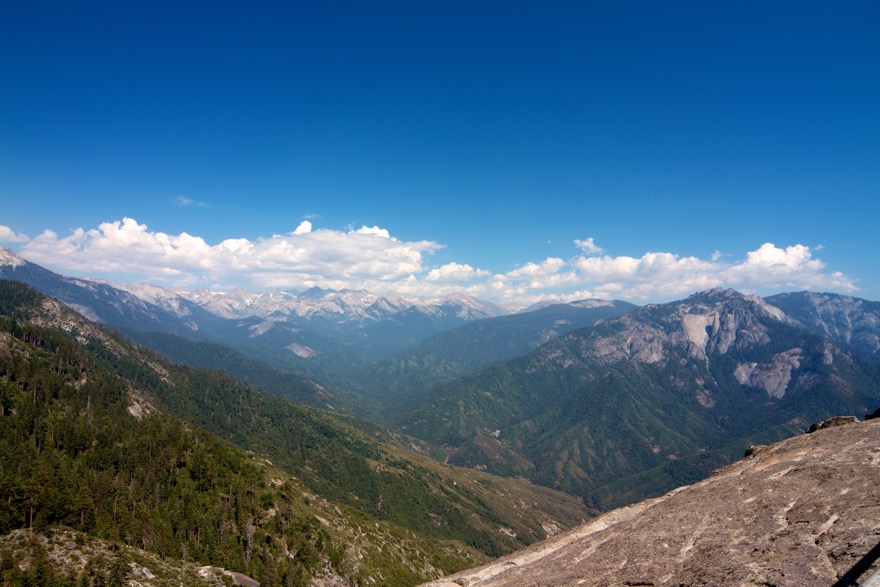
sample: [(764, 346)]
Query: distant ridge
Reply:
[(315, 331), (844, 319), (604, 400), (655, 398), (110, 439)]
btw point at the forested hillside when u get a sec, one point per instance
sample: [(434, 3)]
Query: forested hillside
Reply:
[(649, 401), (112, 440), (408, 378)]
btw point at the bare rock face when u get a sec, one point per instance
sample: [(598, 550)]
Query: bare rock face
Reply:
[(772, 377), (801, 512), (710, 322)]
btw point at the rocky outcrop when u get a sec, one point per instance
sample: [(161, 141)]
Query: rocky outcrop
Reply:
[(711, 322), (832, 422), (773, 377), (69, 552), (801, 512)]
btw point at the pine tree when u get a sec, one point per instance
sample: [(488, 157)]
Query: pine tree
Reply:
[(119, 570)]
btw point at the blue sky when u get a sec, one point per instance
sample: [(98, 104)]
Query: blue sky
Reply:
[(512, 150)]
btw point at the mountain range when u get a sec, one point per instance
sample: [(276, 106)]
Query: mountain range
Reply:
[(844, 319), (654, 398), (318, 332), (110, 439), (603, 400), (403, 380)]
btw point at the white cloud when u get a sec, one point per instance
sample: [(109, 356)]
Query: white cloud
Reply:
[(790, 268), (533, 282), (665, 275), (374, 230), (367, 257), (454, 272), (661, 276), (768, 255), (547, 267), (371, 258), (588, 246), (304, 227), (7, 235)]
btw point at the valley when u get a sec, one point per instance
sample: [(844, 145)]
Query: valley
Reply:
[(402, 438), (114, 441)]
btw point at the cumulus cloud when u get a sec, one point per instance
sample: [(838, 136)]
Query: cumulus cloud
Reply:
[(454, 272), (371, 258), (305, 227), (549, 266), (769, 255), (375, 230), (588, 246), (367, 257), (792, 267), (7, 235), (659, 276)]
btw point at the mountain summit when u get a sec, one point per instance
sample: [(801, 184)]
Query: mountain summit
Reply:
[(649, 400)]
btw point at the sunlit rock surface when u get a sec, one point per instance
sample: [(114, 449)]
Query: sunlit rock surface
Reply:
[(801, 512)]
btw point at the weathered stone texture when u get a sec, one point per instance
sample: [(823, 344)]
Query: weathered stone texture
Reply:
[(801, 512)]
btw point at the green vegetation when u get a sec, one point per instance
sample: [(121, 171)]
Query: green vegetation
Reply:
[(72, 455), (614, 432), (334, 458), (217, 357), (114, 442), (410, 378), (117, 446)]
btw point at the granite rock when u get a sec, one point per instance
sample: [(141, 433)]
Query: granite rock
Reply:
[(801, 512)]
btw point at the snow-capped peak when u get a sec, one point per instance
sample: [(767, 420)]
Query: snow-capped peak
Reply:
[(343, 305)]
